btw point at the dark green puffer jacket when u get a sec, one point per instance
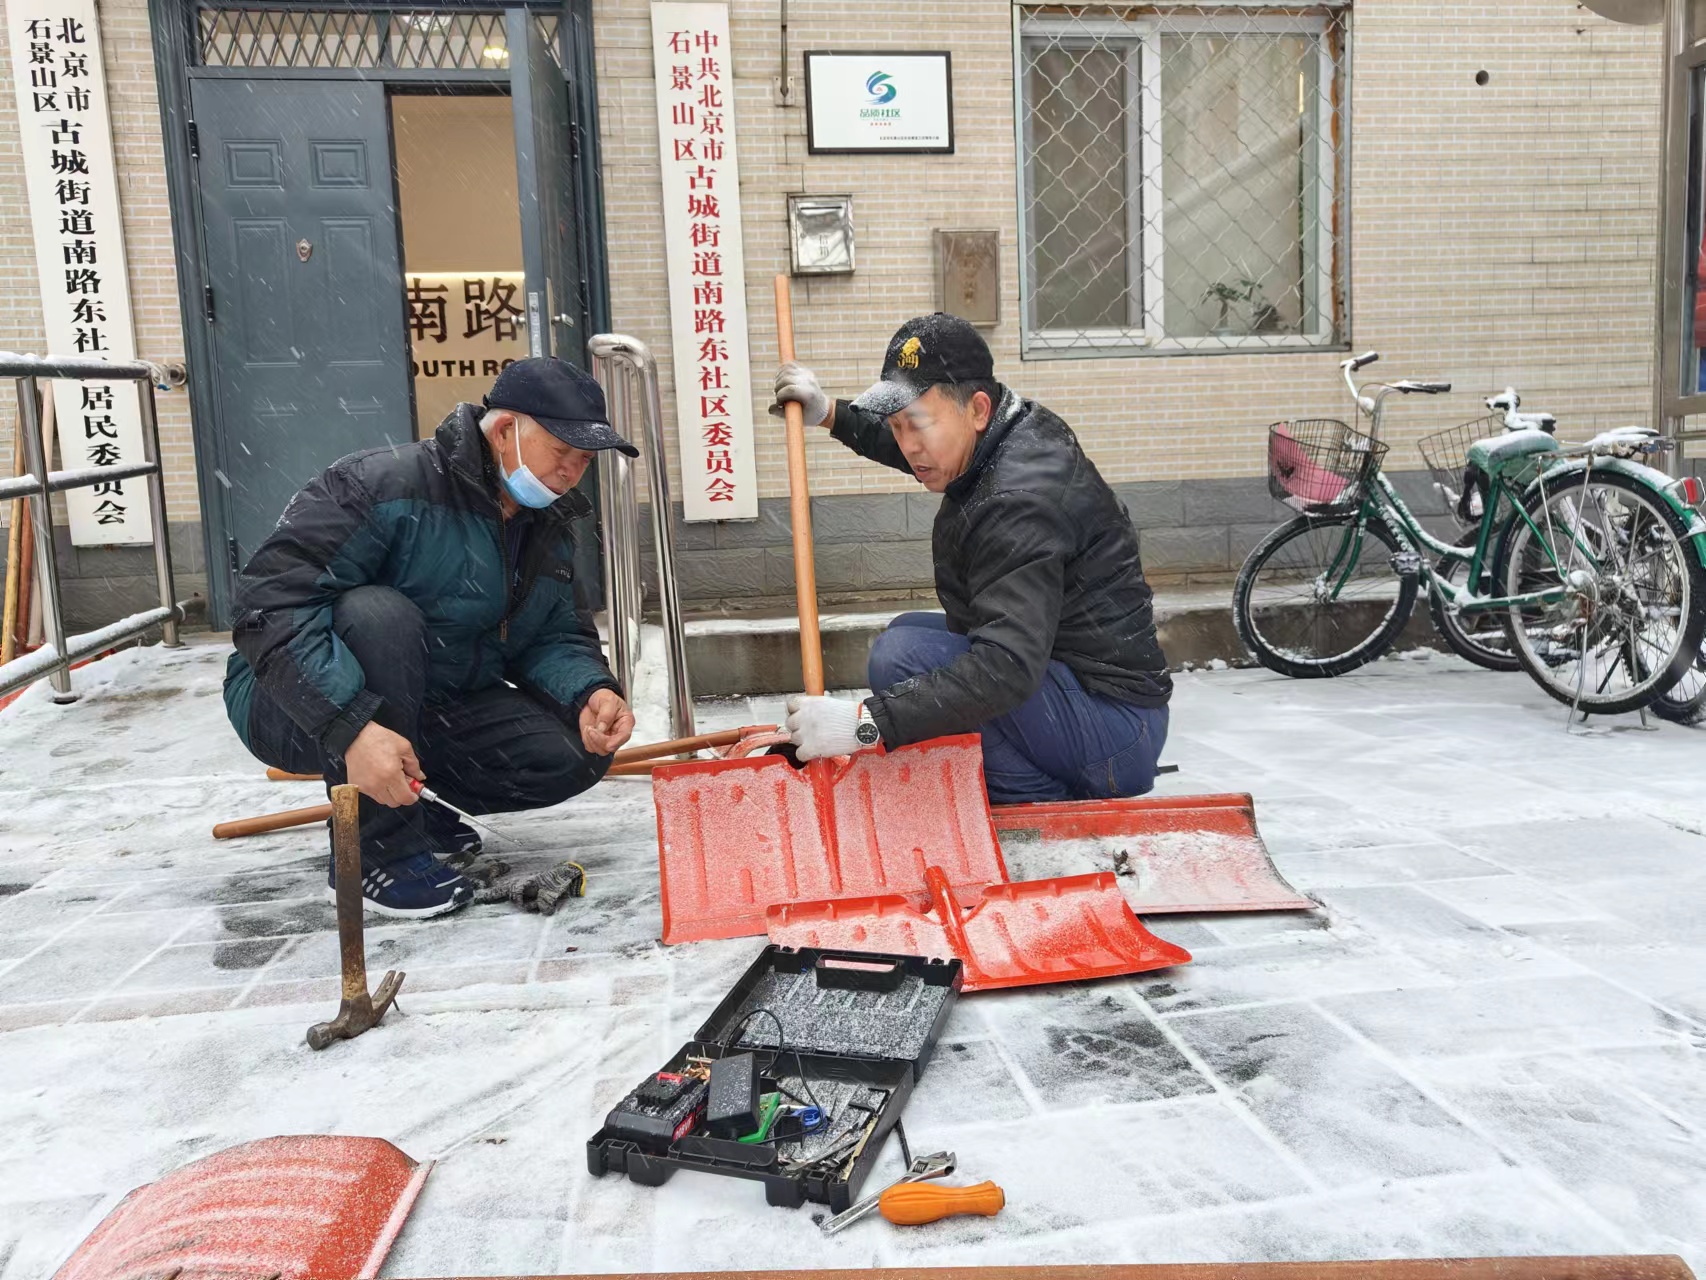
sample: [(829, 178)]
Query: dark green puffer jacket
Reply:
[(422, 519)]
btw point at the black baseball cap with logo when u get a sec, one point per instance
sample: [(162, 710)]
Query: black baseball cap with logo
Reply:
[(559, 397), (926, 352)]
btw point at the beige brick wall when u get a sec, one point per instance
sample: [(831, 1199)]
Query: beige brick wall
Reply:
[(128, 56), (1499, 234)]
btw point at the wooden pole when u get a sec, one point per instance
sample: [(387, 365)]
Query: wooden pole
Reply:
[(14, 561), (800, 507), (681, 746), (272, 822)]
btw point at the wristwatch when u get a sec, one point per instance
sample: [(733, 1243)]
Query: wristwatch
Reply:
[(865, 730)]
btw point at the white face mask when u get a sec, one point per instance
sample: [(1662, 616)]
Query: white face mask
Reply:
[(522, 485)]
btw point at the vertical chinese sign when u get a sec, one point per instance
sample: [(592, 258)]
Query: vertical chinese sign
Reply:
[(80, 262), (707, 269)]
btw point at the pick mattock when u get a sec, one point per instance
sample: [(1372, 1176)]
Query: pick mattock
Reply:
[(359, 1010)]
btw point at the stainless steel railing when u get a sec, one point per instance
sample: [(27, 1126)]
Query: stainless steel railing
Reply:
[(54, 658), (626, 370)]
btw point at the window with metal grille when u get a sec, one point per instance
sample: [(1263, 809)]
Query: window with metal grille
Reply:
[(310, 39), (1182, 177)]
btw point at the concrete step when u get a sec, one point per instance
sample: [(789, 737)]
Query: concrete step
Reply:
[(737, 655)]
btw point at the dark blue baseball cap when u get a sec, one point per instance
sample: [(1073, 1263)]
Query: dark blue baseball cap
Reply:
[(559, 397)]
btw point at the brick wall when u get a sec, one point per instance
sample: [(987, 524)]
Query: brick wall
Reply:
[(128, 57), (1499, 234)]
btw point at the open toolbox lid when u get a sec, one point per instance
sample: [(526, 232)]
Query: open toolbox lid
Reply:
[(839, 1004)]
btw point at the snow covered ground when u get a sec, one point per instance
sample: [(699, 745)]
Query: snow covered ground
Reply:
[(1491, 1039)]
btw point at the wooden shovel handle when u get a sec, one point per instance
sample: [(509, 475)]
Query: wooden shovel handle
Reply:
[(912, 1204), (800, 507), (681, 746), (272, 822), (280, 775)]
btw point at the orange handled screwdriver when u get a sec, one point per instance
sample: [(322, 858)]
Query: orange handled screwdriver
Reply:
[(912, 1204)]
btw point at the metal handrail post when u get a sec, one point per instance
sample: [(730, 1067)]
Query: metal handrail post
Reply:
[(663, 539), (609, 479), (157, 513), (613, 478), (610, 350), (47, 550), (635, 610)]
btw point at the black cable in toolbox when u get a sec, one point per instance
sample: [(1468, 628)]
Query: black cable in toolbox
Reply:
[(781, 1048)]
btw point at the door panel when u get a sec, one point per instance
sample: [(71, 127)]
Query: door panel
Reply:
[(547, 183), (299, 222)]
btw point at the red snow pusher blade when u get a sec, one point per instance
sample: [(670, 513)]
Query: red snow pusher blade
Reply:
[(1015, 935), (1173, 853), (736, 837), (300, 1208)]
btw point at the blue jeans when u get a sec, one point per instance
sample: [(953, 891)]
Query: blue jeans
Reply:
[(1061, 743)]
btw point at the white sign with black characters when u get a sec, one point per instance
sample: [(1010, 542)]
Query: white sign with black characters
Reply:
[(67, 143), (705, 260), (879, 101)]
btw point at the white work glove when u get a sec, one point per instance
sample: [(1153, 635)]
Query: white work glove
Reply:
[(799, 384), (821, 727)]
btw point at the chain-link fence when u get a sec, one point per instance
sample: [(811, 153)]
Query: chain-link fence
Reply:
[(1183, 177)]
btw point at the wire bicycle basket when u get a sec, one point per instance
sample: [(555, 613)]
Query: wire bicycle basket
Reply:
[(1319, 464), (1446, 454)]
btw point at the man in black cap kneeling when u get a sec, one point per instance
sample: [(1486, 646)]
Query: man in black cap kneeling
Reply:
[(1047, 641), (413, 618)]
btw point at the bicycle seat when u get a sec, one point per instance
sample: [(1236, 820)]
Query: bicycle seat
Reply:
[(1531, 422)]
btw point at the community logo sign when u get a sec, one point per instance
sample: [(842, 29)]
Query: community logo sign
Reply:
[(893, 100)]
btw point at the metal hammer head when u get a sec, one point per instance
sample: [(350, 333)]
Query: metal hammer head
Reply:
[(357, 1013)]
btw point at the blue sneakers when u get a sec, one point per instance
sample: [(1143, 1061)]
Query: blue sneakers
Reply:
[(415, 887)]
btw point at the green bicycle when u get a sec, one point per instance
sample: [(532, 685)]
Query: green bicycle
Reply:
[(1593, 563)]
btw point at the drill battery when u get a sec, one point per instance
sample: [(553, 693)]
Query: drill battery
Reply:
[(665, 1108)]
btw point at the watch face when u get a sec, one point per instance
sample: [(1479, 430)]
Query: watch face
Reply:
[(868, 734)]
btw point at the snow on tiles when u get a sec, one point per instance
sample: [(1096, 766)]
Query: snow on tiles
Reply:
[(1490, 1038)]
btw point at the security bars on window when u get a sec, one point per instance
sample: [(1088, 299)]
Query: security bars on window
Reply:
[(1182, 178), (311, 39)]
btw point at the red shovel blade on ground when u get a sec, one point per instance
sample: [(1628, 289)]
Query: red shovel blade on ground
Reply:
[(738, 836), (1173, 853), (1015, 935), (299, 1208)]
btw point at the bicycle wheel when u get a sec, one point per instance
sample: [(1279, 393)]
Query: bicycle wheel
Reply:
[(1479, 637), (1319, 596), (1632, 620), (1685, 701)]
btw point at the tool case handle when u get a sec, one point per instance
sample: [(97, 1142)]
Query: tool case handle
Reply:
[(855, 971)]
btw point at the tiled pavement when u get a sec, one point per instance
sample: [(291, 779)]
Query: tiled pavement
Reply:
[(1491, 1039)]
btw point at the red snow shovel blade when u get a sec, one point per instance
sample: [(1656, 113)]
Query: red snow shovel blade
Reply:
[(1184, 853), (1016, 935), (738, 836), (303, 1208)]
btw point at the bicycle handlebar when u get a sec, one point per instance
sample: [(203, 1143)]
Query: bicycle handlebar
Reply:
[(1357, 362)]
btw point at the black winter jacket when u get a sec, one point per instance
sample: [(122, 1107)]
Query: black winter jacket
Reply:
[(1036, 559), (424, 520)]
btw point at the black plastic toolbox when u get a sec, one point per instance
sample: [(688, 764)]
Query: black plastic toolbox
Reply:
[(863, 1026)]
